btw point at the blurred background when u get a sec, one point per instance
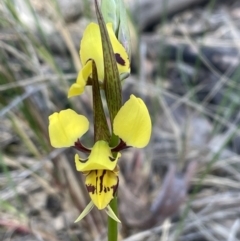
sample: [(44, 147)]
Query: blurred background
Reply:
[(185, 64)]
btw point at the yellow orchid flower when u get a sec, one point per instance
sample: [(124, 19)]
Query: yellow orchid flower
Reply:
[(133, 126), (91, 49)]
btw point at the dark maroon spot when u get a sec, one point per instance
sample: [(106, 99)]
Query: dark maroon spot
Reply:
[(106, 189), (91, 189), (101, 181), (119, 59), (115, 187), (79, 146)]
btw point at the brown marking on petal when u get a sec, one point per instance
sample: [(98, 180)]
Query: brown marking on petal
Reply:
[(101, 181), (96, 181), (91, 188), (106, 189), (119, 59), (115, 187)]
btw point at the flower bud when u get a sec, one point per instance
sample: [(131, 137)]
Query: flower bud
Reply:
[(114, 12)]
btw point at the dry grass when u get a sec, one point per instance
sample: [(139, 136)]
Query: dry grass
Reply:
[(195, 114)]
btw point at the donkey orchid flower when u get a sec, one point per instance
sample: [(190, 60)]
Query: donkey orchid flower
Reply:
[(91, 49), (133, 126)]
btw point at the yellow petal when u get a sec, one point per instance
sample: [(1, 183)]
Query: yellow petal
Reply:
[(101, 186), (100, 158), (91, 48), (75, 89), (78, 87), (132, 123), (119, 51), (66, 127)]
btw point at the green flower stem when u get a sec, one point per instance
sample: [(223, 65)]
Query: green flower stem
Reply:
[(112, 224)]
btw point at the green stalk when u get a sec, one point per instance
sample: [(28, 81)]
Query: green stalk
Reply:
[(112, 224)]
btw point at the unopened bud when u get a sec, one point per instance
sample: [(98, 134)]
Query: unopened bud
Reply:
[(114, 12)]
